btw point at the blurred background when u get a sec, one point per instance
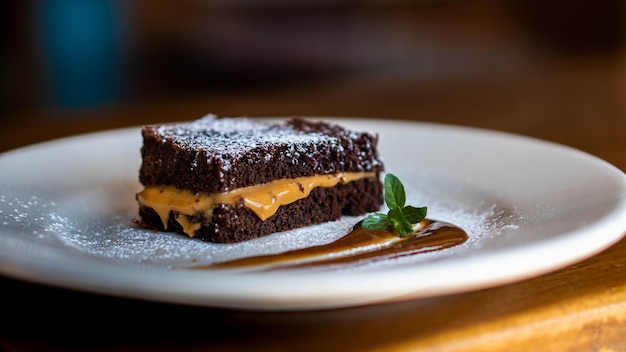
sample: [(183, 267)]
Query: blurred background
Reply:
[(446, 60)]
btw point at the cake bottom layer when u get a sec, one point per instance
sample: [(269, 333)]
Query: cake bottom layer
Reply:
[(236, 223)]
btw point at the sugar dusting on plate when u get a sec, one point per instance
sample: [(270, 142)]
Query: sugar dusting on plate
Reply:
[(111, 235)]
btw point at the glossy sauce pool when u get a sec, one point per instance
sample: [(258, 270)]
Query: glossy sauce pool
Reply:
[(360, 246)]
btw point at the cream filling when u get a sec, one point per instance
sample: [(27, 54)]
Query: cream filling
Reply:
[(263, 199)]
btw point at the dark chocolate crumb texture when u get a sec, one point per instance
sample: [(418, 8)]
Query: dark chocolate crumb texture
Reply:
[(234, 179)]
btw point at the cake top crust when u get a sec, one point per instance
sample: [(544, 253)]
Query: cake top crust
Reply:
[(233, 138), (220, 153)]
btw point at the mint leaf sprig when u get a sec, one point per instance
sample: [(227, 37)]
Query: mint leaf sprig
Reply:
[(400, 218)]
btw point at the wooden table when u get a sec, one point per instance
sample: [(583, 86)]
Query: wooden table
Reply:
[(578, 102)]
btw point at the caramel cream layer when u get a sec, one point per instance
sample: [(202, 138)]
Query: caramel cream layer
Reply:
[(263, 199)]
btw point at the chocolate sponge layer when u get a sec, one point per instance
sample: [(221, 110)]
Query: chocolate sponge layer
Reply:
[(219, 154)]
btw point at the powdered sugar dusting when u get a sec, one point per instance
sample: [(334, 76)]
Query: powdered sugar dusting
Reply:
[(232, 138), (232, 143), (18, 211)]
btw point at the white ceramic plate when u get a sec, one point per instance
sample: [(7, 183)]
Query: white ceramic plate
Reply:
[(529, 207)]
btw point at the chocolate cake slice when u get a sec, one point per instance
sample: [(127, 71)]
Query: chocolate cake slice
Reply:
[(234, 179)]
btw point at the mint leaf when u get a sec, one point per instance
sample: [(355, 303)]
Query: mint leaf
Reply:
[(376, 221), (394, 192), (400, 218), (400, 223), (413, 214)]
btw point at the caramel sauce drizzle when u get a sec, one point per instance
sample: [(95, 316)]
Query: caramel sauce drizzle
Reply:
[(360, 246)]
